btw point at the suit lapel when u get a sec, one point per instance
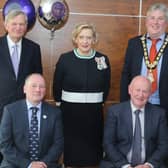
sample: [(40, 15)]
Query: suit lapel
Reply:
[(164, 67), (23, 115), (147, 124), (128, 118), (139, 57), (6, 55), (24, 52)]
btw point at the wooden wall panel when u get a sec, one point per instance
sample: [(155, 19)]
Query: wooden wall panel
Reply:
[(146, 4), (105, 6), (2, 30), (116, 22), (2, 2)]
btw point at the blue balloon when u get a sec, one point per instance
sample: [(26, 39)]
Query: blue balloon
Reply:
[(24, 5)]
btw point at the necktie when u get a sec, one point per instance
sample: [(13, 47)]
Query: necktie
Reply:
[(137, 141), (15, 59), (34, 136), (153, 52)]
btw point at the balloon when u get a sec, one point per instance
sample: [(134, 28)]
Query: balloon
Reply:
[(53, 14), (24, 5)]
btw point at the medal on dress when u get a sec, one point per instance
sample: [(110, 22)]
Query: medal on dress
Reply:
[(101, 63)]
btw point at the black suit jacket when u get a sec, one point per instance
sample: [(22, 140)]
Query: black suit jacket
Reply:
[(11, 89), (132, 67), (118, 134), (14, 135)]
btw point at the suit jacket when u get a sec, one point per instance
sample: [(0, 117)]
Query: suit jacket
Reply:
[(118, 134), (132, 67), (11, 89), (14, 132)]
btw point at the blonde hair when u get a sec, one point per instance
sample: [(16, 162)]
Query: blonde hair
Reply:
[(78, 28)]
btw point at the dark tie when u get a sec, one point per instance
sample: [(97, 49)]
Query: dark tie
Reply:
[(15, 59), (34, 136), (137, 141)]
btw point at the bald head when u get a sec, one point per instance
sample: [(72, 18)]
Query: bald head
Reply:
[(35, 88), (139, 90), (141, 79)]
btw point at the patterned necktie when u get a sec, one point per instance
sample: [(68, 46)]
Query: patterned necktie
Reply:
[(15, 59), (34, 136), (153, 52), (137, 141)]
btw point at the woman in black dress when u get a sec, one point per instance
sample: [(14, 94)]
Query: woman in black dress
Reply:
[(81, 84)]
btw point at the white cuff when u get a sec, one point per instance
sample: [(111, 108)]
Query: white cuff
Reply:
[(58, 103), (149, 164), (126, 166)]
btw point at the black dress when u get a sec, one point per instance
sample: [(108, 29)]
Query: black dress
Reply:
[(77, 77)]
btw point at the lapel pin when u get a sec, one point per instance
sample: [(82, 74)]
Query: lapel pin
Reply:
[(44, 117)]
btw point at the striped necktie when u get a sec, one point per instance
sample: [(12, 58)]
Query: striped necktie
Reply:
[(137, 141)]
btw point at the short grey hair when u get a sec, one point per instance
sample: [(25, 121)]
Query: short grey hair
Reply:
[(158, 6), (27, 79), (13, 13)]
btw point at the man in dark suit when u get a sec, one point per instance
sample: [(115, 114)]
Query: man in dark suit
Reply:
[(28, 55), (137, 57), (120, 126), (15, 136)]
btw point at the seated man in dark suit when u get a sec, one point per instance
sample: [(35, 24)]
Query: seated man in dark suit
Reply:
[(31, 133), (135, 133)]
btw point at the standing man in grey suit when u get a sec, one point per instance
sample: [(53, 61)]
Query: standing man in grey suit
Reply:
[(17, 122), (19, 57), (122, 126)]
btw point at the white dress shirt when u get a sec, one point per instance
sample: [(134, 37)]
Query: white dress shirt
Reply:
[(142, 121), (11, 44)]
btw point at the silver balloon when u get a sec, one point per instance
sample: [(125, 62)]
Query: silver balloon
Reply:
[(53, 14)]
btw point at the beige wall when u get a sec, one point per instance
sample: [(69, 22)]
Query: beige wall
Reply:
[(116, 22)]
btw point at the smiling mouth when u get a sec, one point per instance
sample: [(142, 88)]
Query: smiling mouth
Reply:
[(85, 46)]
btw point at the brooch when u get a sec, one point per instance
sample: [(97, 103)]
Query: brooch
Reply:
[(101, 64)]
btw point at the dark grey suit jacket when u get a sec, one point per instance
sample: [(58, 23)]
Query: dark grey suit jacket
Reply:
[(118, 134), (14, 131), (11, 89), (132, 68)]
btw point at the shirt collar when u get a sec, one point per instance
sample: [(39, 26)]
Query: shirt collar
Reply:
[(29, 105), (135, 108), (162, 37), (11, 43)]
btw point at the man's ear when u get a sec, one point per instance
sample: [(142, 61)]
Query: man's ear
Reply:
[(24, 89), (129, 89), (5, 26)]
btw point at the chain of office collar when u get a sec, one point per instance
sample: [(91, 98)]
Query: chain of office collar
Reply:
[(152, 65)]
